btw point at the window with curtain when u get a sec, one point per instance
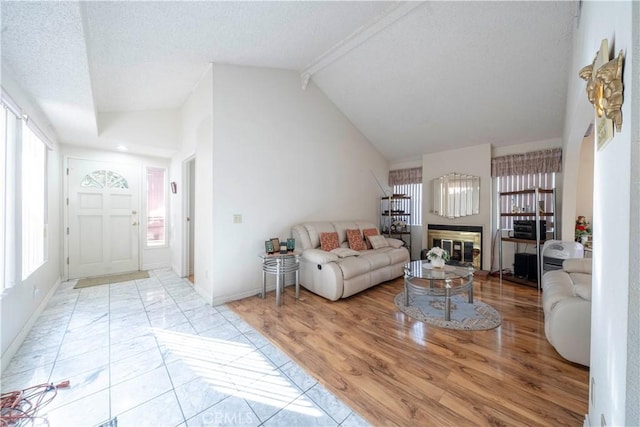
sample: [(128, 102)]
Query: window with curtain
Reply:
[(409, 182), (524, 172), (33, 179), (156, 207)]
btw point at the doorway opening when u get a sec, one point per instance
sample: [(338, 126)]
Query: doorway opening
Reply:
[(189, 210)]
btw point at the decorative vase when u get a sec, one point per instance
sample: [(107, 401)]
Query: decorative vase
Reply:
[(291, 244), (437, 263)]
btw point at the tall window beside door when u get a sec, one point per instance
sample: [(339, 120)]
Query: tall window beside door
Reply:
[(156, 207)]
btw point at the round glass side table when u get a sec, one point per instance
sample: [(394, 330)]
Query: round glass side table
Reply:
[(279, 265)]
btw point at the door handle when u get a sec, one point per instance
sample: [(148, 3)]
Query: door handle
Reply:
[(134, 223)]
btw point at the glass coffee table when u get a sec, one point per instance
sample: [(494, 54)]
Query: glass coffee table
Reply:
[(421, 279)]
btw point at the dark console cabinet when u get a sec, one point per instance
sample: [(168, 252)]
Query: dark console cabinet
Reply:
[(526, 266)]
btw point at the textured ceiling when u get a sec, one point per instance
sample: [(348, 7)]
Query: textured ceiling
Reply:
[(443, 75), (454, 74)]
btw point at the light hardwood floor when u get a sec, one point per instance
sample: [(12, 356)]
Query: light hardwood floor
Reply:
[(397, 371)]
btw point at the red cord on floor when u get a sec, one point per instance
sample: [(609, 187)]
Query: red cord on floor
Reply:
[(21, 405)]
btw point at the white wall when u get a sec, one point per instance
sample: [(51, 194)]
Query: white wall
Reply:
[(281, 155), (196, 141), (153, 257), (21, 304), (475, 161), (151, 132), (584, 189), (632, 416), (615, 239)]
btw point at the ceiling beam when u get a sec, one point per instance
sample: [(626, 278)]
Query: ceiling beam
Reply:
[(357, 38)]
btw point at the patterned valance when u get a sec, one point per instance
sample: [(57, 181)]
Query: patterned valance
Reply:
[(543, 161), (405, 176)]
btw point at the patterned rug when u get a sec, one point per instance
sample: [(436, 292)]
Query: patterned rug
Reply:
[(429, 309)]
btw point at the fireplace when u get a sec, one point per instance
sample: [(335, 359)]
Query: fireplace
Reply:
[(463, 242)]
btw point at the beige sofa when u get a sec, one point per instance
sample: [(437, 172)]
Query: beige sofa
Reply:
[(566, 300), (334, 275)]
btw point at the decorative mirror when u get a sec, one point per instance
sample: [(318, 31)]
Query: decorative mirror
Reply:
[(456, 195)]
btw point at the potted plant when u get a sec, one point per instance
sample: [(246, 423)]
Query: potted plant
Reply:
[(438, 257), (583, 229)]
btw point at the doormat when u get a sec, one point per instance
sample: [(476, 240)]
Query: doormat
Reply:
[(116, 278)]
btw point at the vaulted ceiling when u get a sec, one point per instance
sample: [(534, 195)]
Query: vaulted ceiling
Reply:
[(414, 77)]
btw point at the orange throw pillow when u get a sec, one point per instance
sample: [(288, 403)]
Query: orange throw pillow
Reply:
[(356, 242), (369, 232), (329, 241)]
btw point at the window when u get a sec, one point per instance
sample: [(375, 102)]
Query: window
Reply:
[(8, 126), (33, 178), (525, 171), (156, 207), (23, 194), (409, 182), (527, 201), (415, 192)]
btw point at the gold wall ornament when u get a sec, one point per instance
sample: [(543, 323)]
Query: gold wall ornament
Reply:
[(605, 92), (611, 88)]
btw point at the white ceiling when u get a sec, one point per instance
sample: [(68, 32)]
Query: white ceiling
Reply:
[(413, 77)]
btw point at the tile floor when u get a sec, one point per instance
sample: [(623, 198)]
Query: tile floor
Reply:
[(152, 353)]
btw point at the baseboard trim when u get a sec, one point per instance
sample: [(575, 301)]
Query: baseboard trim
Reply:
[(228, 298), (17, 342), (251, 293)]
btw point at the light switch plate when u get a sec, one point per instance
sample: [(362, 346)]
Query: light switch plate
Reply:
[(237, 219)]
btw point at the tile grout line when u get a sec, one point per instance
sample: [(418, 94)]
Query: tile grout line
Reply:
[(241, 333), (109, 346), (164, 363), (66, 329)]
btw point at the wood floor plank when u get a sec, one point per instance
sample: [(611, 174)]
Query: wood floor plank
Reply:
[(394, 370)]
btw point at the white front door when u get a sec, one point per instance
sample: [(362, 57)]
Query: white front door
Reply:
[(103, 218)]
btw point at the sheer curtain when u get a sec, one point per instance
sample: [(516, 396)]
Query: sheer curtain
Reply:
[(33, 178), (156, 207)]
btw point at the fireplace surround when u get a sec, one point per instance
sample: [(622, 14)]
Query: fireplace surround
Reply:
[(463, 242)]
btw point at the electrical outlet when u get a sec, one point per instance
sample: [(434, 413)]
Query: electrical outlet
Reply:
[(237, 219)]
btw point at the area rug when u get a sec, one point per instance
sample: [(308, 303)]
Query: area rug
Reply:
[(430, 309), (116, 278)]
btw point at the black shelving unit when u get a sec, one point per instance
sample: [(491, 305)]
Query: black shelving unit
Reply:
[(541, 198)]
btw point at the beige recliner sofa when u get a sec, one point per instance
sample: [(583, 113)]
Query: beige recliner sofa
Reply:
[(566, 300), (334, 276)]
